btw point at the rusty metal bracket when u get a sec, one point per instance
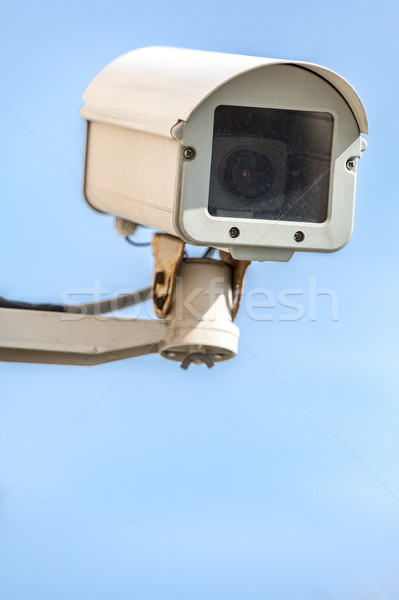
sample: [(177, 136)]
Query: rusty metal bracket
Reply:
[(239, 268), (168, 254)]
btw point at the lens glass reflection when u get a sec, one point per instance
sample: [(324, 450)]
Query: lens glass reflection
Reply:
[(270, 164)]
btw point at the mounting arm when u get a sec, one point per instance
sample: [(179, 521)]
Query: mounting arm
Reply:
[(195, 298), (69, 339)]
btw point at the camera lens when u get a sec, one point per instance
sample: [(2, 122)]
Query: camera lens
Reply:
[(246, 173)]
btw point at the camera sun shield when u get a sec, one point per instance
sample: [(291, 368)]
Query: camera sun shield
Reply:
[(201, 144)]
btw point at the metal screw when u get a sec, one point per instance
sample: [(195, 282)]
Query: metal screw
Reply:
[(299, 236), (350, 164), (234, 232), (189, 153)]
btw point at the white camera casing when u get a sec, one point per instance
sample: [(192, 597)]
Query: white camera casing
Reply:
[(146, 107)]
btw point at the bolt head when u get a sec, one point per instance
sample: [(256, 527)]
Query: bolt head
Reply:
[(350, 164), (189, 153), (299, 236), (234, 232)]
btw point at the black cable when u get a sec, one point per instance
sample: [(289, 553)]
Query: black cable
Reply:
[(137, 244), (4, 303), (208, 253), (117, 303), (92, 308)]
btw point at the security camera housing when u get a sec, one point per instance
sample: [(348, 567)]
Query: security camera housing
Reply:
[(254, 155)]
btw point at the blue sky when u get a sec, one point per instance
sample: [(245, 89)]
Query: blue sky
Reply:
[(274, 475)]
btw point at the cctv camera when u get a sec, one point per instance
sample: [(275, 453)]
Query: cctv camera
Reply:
[(252, 155)]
